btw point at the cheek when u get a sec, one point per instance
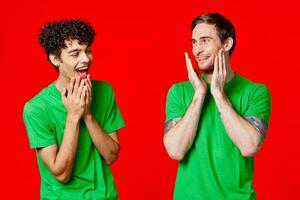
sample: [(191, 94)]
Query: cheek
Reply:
[(215, 49), (70, 66), (194, 50)]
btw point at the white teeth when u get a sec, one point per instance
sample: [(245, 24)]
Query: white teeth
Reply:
[(82, 68), (200, 59)]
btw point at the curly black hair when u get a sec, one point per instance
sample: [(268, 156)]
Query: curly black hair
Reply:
[(53, 35)]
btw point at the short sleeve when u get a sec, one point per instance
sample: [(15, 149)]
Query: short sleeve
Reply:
[(259, 104), (174, 105), (39, 129), (113, 119)]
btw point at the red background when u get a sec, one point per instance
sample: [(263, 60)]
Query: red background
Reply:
[(139, 50)]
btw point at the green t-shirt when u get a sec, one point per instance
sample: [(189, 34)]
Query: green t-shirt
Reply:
[(214, 167), (45, 117)]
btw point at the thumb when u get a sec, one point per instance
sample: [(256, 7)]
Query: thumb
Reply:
[(64, 93), (202, 81)]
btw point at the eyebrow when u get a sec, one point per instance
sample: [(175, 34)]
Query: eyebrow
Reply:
[(202, 37), (73, 50), (78, 50)]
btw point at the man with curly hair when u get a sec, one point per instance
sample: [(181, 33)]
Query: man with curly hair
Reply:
[(73, 122), (216, 122)]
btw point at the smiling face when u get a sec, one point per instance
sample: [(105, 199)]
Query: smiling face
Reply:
[(206, 44), (74, 61)]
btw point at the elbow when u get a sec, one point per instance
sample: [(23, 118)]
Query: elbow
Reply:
[(178, 156), (113, 156), (110, 161), (249, 151), (63, 178), (174, 152)]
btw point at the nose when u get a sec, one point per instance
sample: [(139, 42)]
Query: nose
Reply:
[(85, 58), (197, 48)]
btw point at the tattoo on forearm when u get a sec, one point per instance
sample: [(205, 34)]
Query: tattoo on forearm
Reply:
[(171, 123), (257, 123)]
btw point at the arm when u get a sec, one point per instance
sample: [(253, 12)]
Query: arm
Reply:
[(180, 132), (106, 144), (247, 137), (60, 160), (243, 134)]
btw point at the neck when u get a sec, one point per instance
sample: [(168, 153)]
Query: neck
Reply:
[(230, 74), (62, 82)]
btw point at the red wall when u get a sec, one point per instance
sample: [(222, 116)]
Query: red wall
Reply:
[(139, 50)]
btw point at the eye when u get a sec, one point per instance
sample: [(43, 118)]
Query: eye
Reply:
[(194, 42), (205, 40), (74, 55)]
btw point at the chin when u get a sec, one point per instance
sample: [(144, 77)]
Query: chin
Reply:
[(205, 68)]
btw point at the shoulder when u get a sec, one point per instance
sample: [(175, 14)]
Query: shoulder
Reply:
[(101, 85), (181, 87), (38, 103), (251, 88), (102, 90)]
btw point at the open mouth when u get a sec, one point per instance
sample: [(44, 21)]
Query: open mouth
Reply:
[(202, 59), (82, 72)]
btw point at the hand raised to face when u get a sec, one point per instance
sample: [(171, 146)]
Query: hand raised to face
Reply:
[(74, 97), (88, 97), (220, 74), (198, 84)]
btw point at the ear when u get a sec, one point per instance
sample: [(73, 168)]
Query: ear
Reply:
[(54, 60), (228, 44)]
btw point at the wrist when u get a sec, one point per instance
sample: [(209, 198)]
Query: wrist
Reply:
[(73, 118), (88, 116), (199, 93), (198, 98), (222, 103), (218, 94)]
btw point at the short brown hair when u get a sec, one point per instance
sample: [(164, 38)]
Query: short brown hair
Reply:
[(224, 27)]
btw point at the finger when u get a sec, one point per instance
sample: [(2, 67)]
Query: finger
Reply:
[(216, 65), (71, 86), (224, 65), (187, 62), (89, 80), (80, 88), (84, 81), (220, 63), (76, 85), (89, 92), (191, 71), (87, 96), (89, 83), (64, 94), (83, 93)]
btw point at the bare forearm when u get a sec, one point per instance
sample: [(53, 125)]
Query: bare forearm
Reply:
[(180, 138), (242, 133), (59, 160), (64, 161), (105, 145)]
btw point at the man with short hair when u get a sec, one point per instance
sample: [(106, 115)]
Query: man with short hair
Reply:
[(215, 122), (73, 122)]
